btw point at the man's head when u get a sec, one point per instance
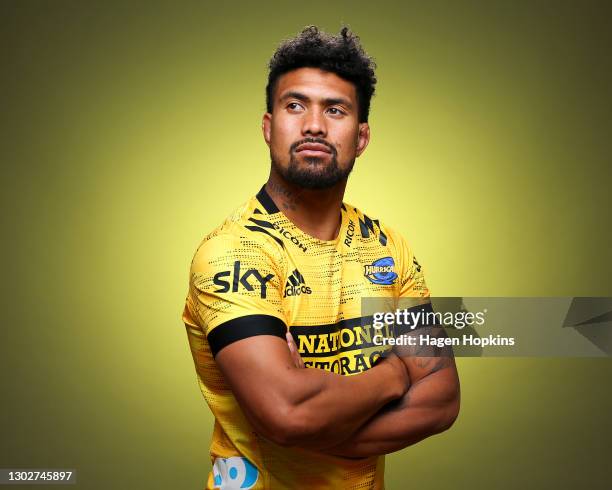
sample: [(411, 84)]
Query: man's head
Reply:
[(318, 101)]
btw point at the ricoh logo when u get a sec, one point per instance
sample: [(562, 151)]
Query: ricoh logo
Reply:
[(287, 234), (241, 280), (296, 285), (350, 232)]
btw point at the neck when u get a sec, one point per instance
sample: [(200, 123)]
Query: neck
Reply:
[(314, 211)]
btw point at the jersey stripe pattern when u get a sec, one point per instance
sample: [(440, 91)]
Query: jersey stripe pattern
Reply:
[(259, 274)]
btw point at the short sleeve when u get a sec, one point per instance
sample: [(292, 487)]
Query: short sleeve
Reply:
[(234, 290), (412, 278)]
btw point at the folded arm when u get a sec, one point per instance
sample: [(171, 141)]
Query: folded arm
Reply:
[(305, 407), (429, 407)]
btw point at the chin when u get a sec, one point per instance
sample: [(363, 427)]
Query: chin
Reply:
[(315, 161)]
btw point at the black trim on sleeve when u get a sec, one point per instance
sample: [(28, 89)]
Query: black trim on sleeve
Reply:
[(425, 308), (244, 327), (266, 201)]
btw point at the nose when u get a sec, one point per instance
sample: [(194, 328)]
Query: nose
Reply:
[(314, 124)]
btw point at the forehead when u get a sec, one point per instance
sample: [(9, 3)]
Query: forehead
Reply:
[(316, 84)]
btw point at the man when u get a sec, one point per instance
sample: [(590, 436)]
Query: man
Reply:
[(301, 395)]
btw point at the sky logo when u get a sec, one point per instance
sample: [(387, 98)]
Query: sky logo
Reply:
[(234, 473)]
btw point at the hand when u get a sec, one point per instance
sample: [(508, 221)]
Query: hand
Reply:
[(399, 367), (295, 355)]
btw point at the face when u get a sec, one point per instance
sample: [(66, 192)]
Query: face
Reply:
[(313, 132)]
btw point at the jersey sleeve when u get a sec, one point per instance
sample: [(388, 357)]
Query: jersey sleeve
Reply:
[(235, 290), (413, 293), (411, 277)]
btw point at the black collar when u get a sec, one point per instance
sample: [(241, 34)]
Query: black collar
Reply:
[(266, 201)]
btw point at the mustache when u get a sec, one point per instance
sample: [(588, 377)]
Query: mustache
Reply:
[(320, 141)]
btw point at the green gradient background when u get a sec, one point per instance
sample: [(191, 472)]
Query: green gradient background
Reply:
[(129, 132)]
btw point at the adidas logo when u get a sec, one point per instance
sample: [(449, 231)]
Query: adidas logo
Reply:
[(296, 285)]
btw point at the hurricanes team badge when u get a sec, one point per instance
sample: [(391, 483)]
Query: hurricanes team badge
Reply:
[(381, 271)]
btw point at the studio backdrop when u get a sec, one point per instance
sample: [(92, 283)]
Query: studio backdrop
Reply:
[(131, 130)]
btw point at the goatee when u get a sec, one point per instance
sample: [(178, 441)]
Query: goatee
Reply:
[(315, 174)]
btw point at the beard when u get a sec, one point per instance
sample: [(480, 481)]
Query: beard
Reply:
[(313, 173)]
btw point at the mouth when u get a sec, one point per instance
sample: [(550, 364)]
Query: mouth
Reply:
[(316, 150)]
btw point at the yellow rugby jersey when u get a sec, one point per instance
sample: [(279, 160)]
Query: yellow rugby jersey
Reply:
[(258, 274)]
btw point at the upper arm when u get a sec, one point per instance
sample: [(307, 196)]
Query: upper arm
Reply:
[(235, 299), (421, 360), (432, 368), (260, 371), (234, 291)]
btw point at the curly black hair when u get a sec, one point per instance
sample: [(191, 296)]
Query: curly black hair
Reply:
[(341, 54)]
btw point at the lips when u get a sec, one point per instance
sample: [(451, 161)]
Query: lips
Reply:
[(313, 147)]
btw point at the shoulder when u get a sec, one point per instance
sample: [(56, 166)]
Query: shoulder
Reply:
[(236, 240), (372, 228)]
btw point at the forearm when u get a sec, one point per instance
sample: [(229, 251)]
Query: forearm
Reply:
[(311, 408), (429, 407), (326, 408)]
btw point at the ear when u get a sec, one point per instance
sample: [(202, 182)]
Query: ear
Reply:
[(363, 137), (266, 127)]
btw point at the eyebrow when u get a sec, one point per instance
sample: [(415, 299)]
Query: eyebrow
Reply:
[(326, 101)]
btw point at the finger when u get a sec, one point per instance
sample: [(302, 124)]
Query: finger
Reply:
[(290, 342), (297, 359)]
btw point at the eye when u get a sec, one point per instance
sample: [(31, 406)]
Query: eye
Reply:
[(335, 111), (294, 106)]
